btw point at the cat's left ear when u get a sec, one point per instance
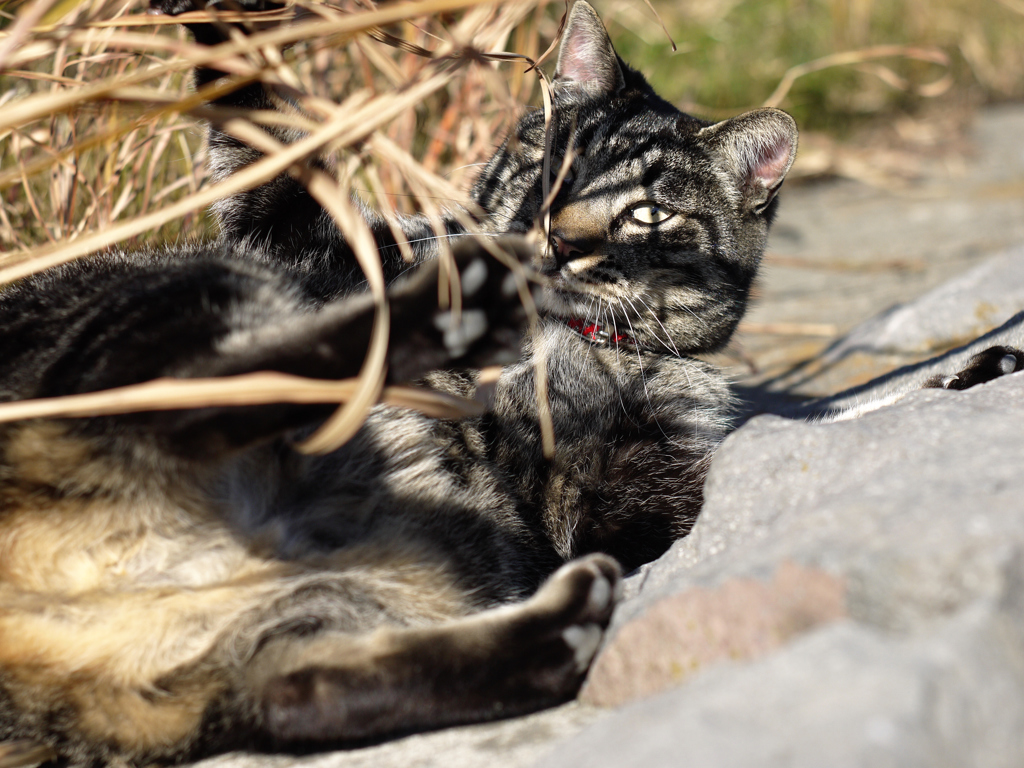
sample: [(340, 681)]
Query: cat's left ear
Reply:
[(757, 148), (587, 62)]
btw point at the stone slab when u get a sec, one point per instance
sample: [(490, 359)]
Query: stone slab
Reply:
[(916, 512)]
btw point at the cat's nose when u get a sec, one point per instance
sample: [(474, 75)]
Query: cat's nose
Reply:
[(566, 250)]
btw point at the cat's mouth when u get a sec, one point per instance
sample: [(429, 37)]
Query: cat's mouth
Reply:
[(566, 298), (573, 284)]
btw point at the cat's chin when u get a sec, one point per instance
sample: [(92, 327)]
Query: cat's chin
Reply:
[(557, 302)]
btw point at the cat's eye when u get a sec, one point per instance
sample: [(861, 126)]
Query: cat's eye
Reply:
[(650, 213), (556, 167)]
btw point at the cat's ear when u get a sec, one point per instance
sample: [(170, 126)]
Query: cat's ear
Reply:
[(757, 148), (587, 62)]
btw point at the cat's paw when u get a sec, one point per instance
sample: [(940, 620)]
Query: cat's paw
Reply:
[(486, 325), (572, 609), (492, 317), (985, 366)]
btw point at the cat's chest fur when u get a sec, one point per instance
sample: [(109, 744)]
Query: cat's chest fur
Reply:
[(623, 418), (594, 387), (633, 430)]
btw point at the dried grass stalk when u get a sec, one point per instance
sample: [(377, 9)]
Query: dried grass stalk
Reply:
[(860, 58), (246, 389)]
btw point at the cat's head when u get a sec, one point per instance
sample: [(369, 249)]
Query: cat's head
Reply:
[(658, 228)]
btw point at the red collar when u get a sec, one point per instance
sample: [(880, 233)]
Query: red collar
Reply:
[(594, 332)]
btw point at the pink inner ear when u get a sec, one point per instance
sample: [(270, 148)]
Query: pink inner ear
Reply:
[(584, 61), (576, 63), (768, 159), (587, 58)]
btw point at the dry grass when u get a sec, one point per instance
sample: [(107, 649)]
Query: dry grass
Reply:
[(733, 53), (95, 131)]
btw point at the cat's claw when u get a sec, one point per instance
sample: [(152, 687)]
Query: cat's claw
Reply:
[(462, 331), (585, 638), (474, 276), (584, 642)]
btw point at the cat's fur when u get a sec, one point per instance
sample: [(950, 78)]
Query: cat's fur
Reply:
[(177, 583)]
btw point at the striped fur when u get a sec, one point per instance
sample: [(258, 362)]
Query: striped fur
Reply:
[(174, 584)]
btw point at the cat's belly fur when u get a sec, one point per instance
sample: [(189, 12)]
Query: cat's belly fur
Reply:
[(137, 598)]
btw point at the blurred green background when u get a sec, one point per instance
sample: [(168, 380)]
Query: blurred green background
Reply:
[(733, 53)]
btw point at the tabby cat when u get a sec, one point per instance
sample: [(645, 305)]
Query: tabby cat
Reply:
[(177, 583)]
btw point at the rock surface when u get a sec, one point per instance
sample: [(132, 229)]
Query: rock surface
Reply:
[(848, 695), (917, 511), (953, 313), (518, 743), (914, 512)]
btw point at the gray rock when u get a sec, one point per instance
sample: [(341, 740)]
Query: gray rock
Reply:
[(910, 377), (846, 695), (955, 312), (916, 511), (779, 486)]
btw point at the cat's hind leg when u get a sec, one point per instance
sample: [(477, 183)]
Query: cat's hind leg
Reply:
[(338, 688)]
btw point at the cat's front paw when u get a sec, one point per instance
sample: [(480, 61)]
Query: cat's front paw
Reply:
[(479, 324), (492, 317), (985, 366)]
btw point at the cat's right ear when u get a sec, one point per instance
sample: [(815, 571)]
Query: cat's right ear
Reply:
[(587, 62), (757, 148)]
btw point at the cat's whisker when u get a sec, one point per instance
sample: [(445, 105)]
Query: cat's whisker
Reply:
[(686, 373), (601, 313), (639, 316), (414, 196), (415, 265), (618, 381), (671, 344), (697, 317), (467, 165), (639, 354), (407, 269)]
